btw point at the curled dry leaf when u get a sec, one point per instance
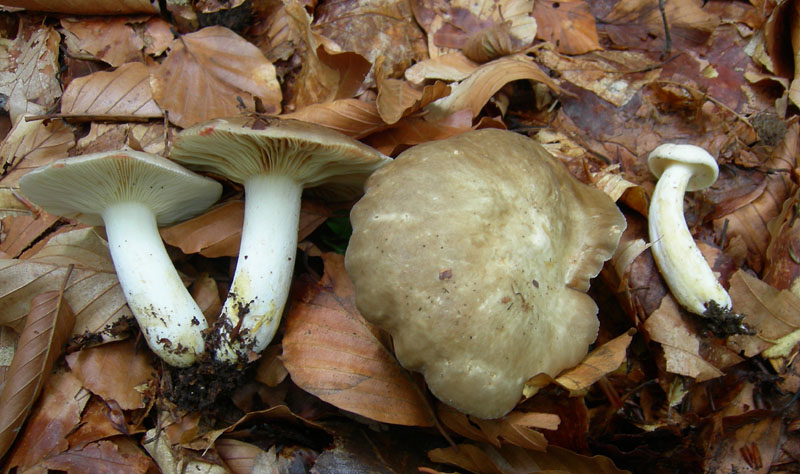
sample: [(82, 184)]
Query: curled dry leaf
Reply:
[(46, 330), (333, 353), (29, 70), (475, 91), (117, 371), (615, 76), (353, 117), (122, 92), (216, 66), (172, 460), (86, 7), (569, 25), (598, 363), (120, 456), (54, 417), (751, 220), (517, 428), (218, 231), (447, 67), (239, 457), (490, 460), (327, 73), (397, 98), (415, 130), (680, 342)]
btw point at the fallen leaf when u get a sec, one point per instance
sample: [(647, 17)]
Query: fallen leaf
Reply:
[(102, 420), (569, 25), (102, 456), (680, 342), (239, 457), (750, 447), (352, 117), (115, 371), (30, 145), (28, 70), (602, 360), (54, 417), (46, 330), (447, 67), (86, 7), (415, 130), (475, 91), (221, 67), (332, 352), (23, 231), (111, 39), (122, 92), (397, 99)]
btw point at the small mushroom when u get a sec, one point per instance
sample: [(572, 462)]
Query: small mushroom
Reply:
[(681, 168), (275, 160), (132, 193), (474, 253)]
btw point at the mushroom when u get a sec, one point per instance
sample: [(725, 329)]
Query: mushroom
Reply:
[(132, 193), (681, 168), (474, 253), (274, 159)]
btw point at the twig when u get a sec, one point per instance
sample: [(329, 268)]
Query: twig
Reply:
[(667, 36)]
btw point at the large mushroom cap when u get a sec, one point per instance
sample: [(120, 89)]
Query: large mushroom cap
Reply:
[(82, 187), (241, 147), (474, 252), (704, 167)]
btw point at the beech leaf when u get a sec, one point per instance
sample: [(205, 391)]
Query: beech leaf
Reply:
[(46, 330), (122, 92), (352, 117), (332, 352)]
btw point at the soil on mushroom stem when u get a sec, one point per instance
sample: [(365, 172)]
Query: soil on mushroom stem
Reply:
[(204, 386)]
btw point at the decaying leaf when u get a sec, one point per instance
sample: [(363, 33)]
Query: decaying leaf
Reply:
[(55, 415), (353, 117), (120, 455), (332, 352), (517, 428), (569, 25), (219, 67), (109, 39), (122, 92), (680, 342), (748, 445), (116, 371), (46, 330)]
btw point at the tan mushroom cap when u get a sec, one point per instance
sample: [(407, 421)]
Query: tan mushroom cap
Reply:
[(82, 187), (474, 252), (241, 147)]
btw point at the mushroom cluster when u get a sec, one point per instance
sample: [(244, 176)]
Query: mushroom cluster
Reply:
[(475, 253), (132, 193), (275, 159)]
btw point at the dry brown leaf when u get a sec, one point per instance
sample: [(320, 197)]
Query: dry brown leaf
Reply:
[(486, 459), (270, 370), (206, 293), (377, 27), (239, 456), (475, 91), (172, 460), (352, 117), (148, 137), (332, 352), (29, 70), (750, 447), (397, 98), (569, 25), (23, 231), (92, 291), (782, 265), (794, 20), (774, 314), (751, 221), (518, 428), (86, 7), (117, 371), (447, 67), (120, 456), (30, 145), (220, 67), (601, 361), (54, 417), (122, 92), (11, 204), (102, 420), (415, 130), (327, 73), (272, 34), (680, 342), (109, 39), (615, 76), (46, 330)]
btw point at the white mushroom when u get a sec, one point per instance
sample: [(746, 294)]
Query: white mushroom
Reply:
[(275, 160), (681, 168), (133, 193)]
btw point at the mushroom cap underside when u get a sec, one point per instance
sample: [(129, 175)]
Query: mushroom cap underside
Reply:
[(704, 167), (474, 252), (82, 187), (241, 147)]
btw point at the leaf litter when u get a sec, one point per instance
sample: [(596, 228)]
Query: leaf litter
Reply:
[(599, 83)]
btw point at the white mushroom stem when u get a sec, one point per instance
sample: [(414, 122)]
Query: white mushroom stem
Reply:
[(264, 268), (169, 318), (687, 273)]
